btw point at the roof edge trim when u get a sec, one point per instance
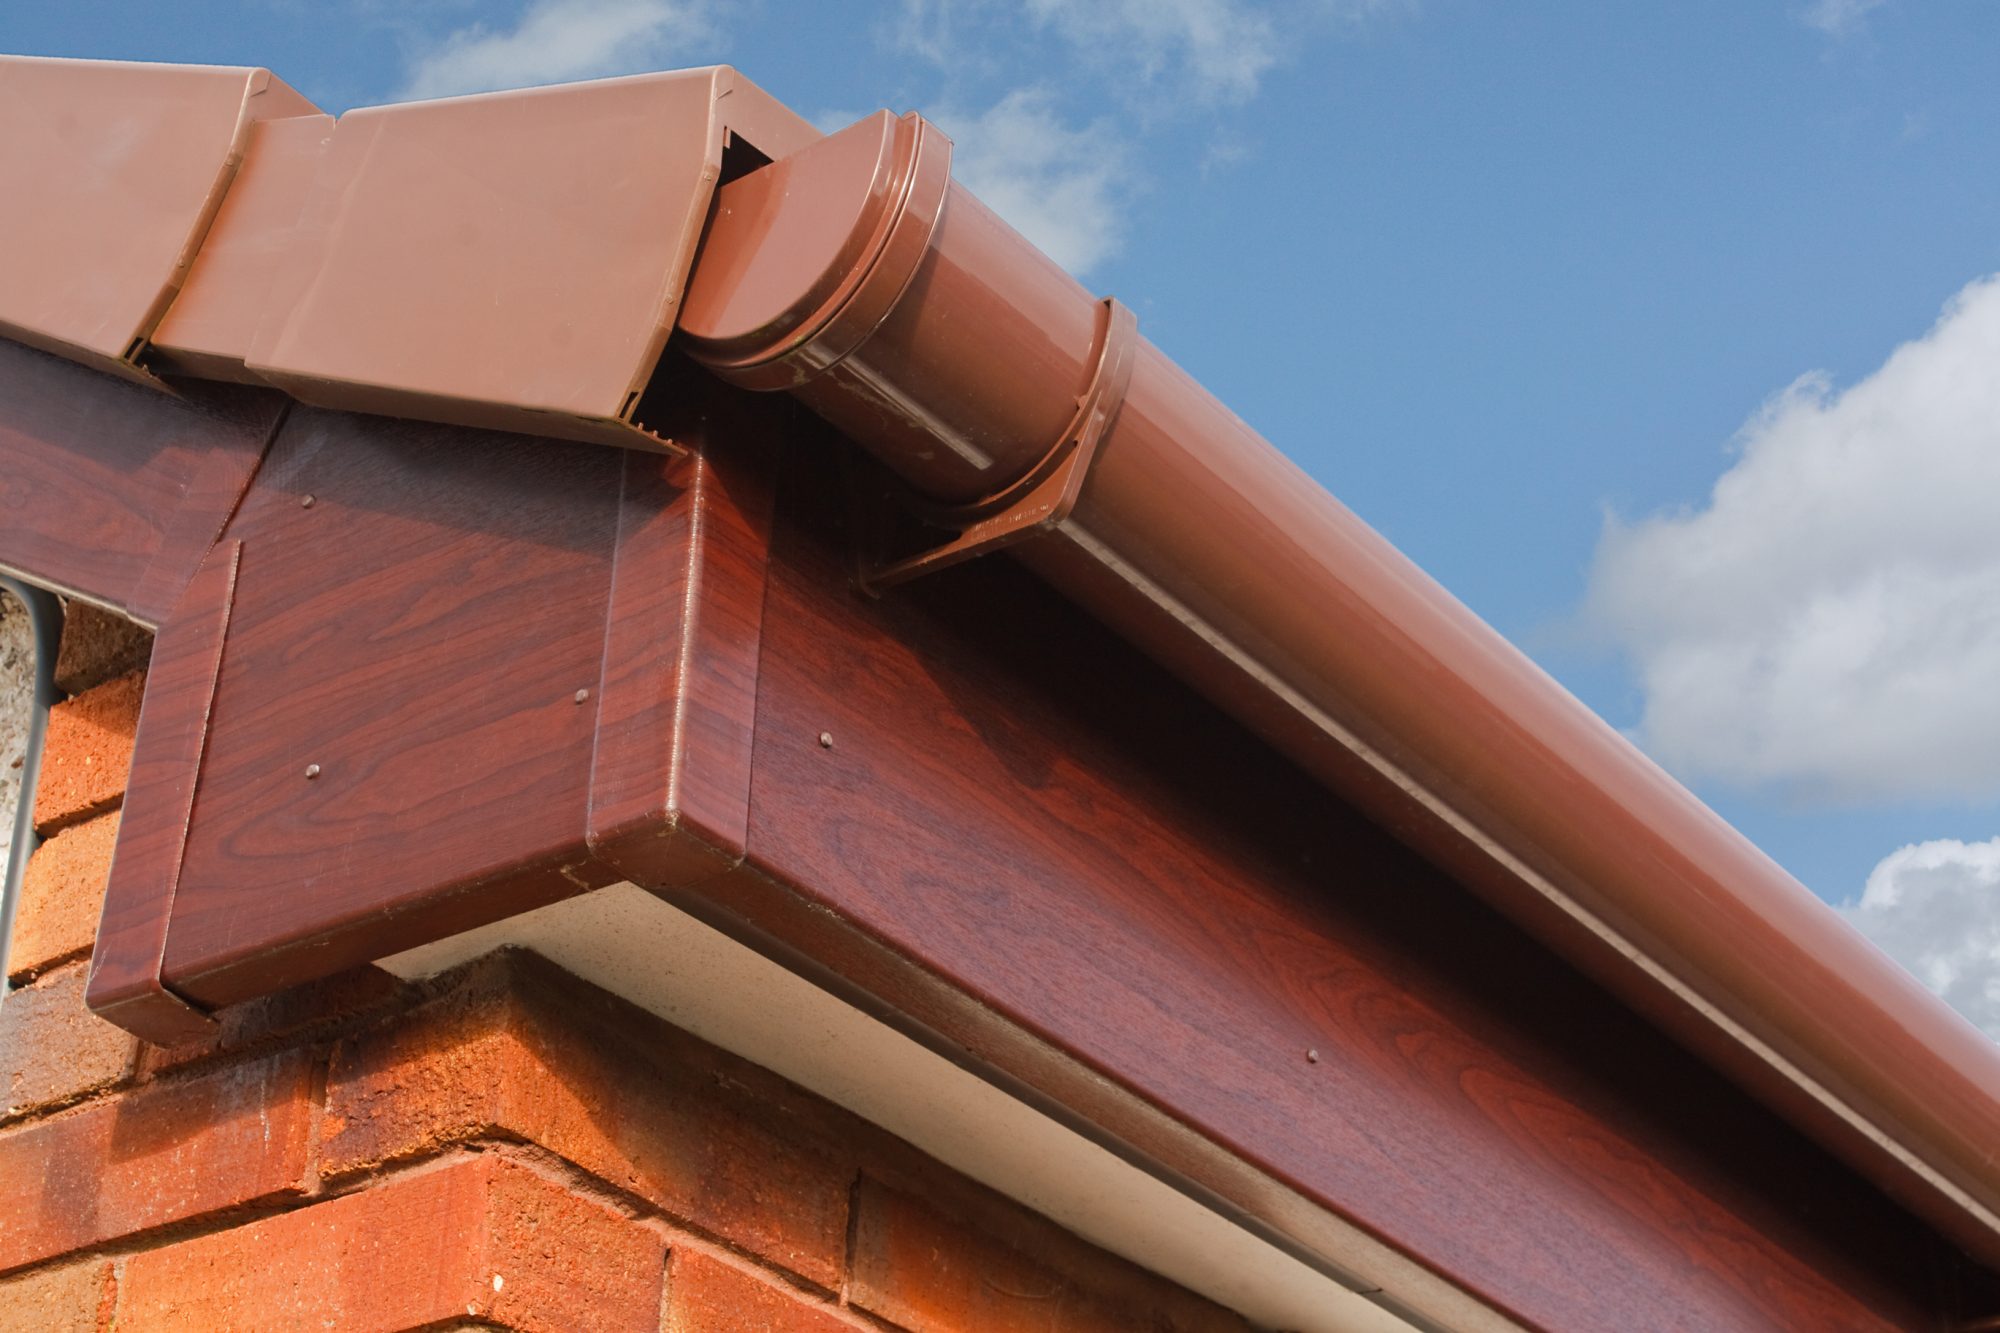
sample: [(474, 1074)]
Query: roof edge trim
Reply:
[(1205, 546)]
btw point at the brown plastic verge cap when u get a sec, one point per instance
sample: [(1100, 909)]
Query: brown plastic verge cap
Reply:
[(209, 328), (110, 174), (512, 260)]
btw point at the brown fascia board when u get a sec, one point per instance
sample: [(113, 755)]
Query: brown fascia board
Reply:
[(1020, 410)]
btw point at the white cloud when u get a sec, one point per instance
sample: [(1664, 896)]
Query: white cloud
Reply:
[(1935, 908), (1224, 47), (1064, 189), (1202, 51), (1837, 18), (1829, 624), (930, 28), (559, 40), (1165, 61)]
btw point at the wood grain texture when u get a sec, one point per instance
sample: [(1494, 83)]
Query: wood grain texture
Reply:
[(1022, 808), (466, 673), (969, 805), (398, 747), (125, 977), (113, 491), (670, 780)]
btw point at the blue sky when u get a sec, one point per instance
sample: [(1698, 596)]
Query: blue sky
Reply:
[(1521, 283)]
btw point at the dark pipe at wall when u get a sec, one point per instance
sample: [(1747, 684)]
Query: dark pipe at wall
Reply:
[(857, 275), (45, 619)]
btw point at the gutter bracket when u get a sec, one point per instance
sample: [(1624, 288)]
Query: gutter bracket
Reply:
[(1038, 502)]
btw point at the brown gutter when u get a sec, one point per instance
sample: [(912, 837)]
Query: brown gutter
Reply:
[(856, 274)]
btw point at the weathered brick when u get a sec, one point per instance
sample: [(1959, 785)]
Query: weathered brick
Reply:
[(53, 1049), (309, 1010), (86, 753), (76, 1298), (97, 645), (161, 1153), (62, 895), (478, 1238), (918, 1267), (519, 1049), (706, 1295)]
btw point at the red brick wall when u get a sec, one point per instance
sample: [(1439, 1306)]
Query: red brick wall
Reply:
[(504, 1147)]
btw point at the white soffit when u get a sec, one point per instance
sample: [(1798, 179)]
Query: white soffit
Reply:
[(632, 944)]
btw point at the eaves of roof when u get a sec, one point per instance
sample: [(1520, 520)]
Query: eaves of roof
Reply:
[(519, 260)]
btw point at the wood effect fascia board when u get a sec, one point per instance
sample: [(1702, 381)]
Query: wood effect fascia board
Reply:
[(709, 557), (677, 696), (113, 492), (125, 975), (200, 914), (1088, 882)]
